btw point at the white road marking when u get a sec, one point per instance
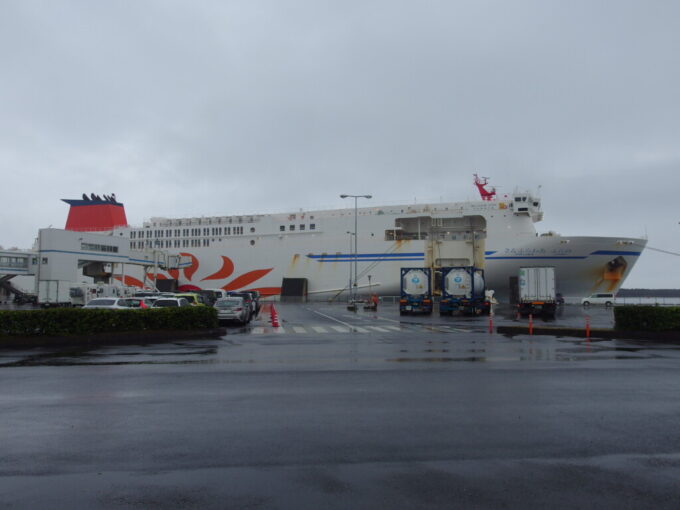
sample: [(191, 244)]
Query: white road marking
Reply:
[(333, 319), (319, 329), (299, 329), (260, 330), (340, 329), (378, 328)]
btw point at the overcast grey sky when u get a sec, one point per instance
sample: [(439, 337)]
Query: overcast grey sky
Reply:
[(203, 108)]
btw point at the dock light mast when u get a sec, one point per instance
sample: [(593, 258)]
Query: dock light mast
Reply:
[(356, 249)]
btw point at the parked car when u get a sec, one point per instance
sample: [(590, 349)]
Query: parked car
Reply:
[(142, 302), (248, 298), (170, 302), (601, 298), (110, 303), (233, 308), (193, 298)]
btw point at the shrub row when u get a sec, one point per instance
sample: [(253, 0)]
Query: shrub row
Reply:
[(78, 321), (647, 318)]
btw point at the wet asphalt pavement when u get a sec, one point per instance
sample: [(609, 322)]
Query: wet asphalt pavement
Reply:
[(343, 410)]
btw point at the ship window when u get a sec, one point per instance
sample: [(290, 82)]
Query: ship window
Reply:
[(132, 235), (291, 227), (252, 242), (312, 226), (302, 227), (282, 228), (252, 229)]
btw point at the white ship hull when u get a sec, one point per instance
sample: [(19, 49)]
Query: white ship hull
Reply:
[(258, 252)]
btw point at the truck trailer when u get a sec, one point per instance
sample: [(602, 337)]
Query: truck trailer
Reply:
[(416, 290), (537, 291), (463, 290)]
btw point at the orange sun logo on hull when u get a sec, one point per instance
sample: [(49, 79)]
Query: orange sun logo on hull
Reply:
[(241, 282)]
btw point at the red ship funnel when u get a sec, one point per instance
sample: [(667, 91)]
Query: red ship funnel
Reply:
[(95, 215)]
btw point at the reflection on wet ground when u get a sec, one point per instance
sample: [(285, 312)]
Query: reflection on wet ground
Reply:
[(411, 339), (338, 351)]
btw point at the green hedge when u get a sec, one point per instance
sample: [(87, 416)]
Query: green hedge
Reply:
[(647, 318), (79, 321)]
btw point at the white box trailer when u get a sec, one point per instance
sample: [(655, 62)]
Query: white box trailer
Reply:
[(54, 293), (537, 291)]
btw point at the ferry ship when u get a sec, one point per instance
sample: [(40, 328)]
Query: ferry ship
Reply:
[(256, 252)]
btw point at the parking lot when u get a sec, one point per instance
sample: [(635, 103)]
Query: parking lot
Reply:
[(336, 409)]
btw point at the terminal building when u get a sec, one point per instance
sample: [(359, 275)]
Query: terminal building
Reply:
[(88, 251)]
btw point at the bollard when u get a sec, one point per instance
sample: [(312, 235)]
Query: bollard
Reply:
[(531, 324), (587, 326), (491, 323)]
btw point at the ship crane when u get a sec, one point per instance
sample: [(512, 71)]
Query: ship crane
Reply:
[(481, 183)]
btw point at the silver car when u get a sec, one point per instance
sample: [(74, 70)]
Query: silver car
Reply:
[(232, 309), (111, 303)]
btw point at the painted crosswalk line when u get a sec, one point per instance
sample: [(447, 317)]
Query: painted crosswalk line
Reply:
[(317, 330)]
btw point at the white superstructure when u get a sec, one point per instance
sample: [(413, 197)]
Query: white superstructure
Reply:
[(258, 251)]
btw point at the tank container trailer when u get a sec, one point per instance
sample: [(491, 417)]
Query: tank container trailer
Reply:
[(537, 291), (416, 290), (463, 289)]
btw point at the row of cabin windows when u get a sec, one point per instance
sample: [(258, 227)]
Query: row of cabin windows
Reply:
[(176, 243), (188, 232), (291, 228), (212, 231)]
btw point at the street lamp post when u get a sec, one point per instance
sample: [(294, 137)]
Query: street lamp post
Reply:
[(356, 248), (349, 285)]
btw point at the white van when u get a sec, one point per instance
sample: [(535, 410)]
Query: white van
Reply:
[(601, 298)]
